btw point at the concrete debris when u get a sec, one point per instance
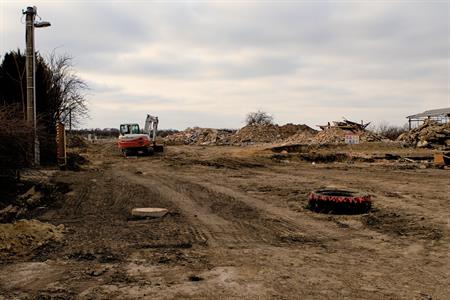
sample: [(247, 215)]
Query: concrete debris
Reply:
[(251, 134), (430, 135), (346, 125), (152, 212), (304, 137), (199, 136), (336, 135), (333, 133)]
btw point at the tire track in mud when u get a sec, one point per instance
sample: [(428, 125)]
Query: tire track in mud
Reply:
[(97, 215), (267, 221), (376, 184), (223, 219), (437, 226), (217, 231)]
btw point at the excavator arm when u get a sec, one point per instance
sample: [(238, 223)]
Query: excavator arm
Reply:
[(151, 126)]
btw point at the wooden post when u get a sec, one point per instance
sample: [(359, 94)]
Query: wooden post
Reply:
[(61, 144)]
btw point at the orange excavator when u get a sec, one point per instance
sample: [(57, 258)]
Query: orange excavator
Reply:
[(132, 141)]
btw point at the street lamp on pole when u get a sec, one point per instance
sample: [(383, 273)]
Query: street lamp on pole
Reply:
[(31, 13)]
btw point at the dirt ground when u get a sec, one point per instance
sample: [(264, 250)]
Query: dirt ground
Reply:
[(238, 228)]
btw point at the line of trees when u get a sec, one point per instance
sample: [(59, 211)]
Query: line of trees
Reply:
[(60, 96)]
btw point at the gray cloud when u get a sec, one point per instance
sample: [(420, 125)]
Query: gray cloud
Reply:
[(372, 59)]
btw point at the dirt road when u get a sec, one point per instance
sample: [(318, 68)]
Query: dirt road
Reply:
[(238, 228)]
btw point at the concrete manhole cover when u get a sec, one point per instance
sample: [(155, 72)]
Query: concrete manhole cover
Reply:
[(152, 212)]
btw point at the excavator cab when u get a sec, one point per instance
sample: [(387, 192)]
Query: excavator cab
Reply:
[(129, 129)]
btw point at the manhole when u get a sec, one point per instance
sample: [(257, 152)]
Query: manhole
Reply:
[(339, 202), (152, 212)]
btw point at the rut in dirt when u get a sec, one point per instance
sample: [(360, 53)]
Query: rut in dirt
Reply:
[(223, 219), (97, 214)]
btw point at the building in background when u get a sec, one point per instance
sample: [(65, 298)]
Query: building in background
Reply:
[(441, 115)]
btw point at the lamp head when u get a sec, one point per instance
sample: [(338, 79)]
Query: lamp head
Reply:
[(42, 24)]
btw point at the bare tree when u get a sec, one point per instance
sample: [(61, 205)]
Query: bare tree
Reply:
[(258, 118), (390, 131), (67, 89), (60, 96)]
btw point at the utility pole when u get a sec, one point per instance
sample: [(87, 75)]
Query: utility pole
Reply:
[(30, 24), (30, 13)]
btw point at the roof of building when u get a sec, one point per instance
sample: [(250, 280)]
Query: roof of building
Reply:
[(432, 113)]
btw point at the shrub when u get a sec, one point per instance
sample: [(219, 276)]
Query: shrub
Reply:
[(259, 118), (390, 131), (16, 136)]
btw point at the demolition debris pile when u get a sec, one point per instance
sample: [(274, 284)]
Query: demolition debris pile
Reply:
[(335, 133), (269, 133), (303, 137), (431, 134), (199, 136), (257, 133), (250, 134)]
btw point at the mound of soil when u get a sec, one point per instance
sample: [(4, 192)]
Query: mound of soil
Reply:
[(256, 134), (269, 133), (26, 236), (431, 134), (74, 161), (304, 137), (76, 141), (290, 130)]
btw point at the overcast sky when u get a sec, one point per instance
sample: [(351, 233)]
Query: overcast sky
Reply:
[(209, 63)]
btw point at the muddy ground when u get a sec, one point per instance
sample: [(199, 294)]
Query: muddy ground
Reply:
[(238, 228)]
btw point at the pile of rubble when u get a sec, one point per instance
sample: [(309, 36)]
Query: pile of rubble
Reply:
[(431, 134), (247, 135), (254, 134), (345, 125), (290, 130), (199, 136), (335, 133), (302, 137)]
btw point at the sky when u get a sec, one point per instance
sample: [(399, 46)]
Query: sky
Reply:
[(209, 63)]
